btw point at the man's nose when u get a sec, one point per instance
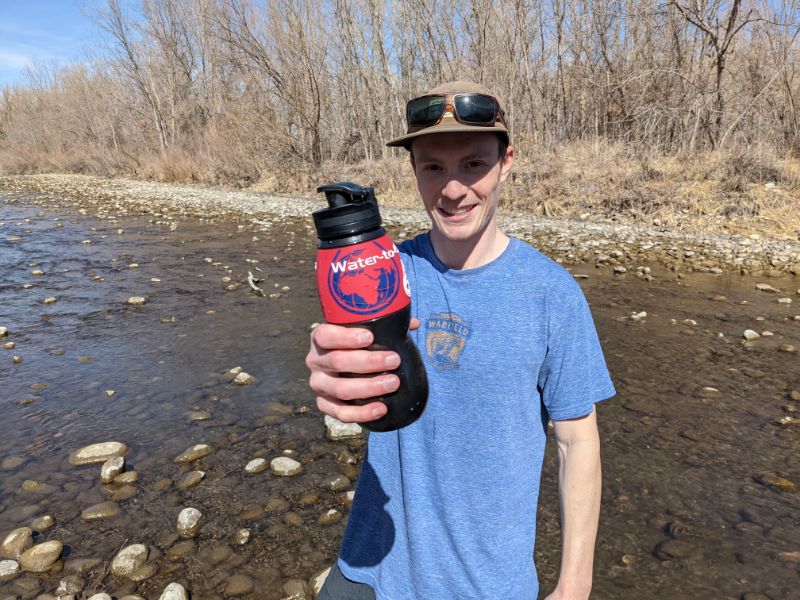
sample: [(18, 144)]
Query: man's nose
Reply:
[(454, 189)]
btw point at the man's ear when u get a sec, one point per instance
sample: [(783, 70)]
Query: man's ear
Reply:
[(506, 162), (411, 158)]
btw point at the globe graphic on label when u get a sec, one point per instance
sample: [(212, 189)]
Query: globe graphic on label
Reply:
[(365, 290)]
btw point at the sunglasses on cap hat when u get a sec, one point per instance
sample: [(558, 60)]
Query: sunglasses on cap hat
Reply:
[(468, 109)]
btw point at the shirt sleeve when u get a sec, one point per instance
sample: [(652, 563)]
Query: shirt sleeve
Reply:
[(573, 376)]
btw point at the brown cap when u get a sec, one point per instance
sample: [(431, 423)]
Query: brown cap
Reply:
[(448, 122)]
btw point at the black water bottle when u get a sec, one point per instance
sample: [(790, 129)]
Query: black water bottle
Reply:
[(362, 282)]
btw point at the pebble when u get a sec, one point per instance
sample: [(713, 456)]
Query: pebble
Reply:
[(97, 453), (123, 493), (238, 585), (16, 359), (188, 522), (49, 300), (111, 468), (775, 482), (285, 466), (276, 505), (41, 557), (128, 477), (257, 465), (784, 300), (11, 463), (348, 498), (129, 560), (673, 549), (110, 393), (190, 479), (100, 596), (336, 483), (69, 587), (765, 287), (317, 581), (194, 453), (336, 430), (102, 510), (37, 272), (198, 415), (3, 332), (242, 537), (787, 348), (8, 569), (137, 300), (294, 589), (42, 523), (750, 335), (619, 269), (9, 346), (638, 316), (329, 516), (16, 542), (174, 591), (244, 379)]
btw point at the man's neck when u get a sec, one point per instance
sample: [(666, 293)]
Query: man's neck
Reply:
[(469, 254)]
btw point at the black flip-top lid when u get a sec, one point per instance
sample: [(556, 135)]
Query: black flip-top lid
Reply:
[(352, 210)]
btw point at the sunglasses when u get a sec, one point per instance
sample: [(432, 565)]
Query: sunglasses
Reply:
[(468, 109)]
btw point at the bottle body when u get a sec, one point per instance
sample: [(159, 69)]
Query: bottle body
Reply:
[(363, 283)]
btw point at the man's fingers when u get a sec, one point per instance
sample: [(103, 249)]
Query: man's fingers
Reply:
[(415, 323), (350, 413), (352, 388), (336, 337), (358, 361)]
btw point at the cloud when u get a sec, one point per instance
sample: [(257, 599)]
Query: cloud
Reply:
[(14, 60)]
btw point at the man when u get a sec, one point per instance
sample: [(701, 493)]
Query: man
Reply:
[(446, 507)]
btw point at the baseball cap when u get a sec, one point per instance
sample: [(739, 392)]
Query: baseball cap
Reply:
[(448, 122)]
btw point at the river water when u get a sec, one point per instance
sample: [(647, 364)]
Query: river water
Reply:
[(698, 498)]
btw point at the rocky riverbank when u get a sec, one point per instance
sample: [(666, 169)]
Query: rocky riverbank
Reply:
[(604, 243)]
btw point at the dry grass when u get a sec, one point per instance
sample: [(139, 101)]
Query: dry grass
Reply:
[(737, 190)]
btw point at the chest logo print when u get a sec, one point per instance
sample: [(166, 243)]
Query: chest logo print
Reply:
[(445, 339)]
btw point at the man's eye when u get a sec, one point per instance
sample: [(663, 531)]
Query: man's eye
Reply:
[(430, 168), (475, 164)]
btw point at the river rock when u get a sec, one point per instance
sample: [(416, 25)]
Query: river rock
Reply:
[(294, 589), (336, 482), (43, 523), (103, 510), (255, 466), (791, 349), (174, 591), (41, 557), (11, 463), (190, 479), (285, 466), (329, 516), (9, 346), (238, 585), (50, 300), (336, 430), (70, 586), (775, 482), (100, 596), (8, 569), (674, 549), (16, 542), (196, 452), (244, 379), (97, 453), (3, 332), (750, 335), (111, 468), (765, 287), (127, 478), (242, 537), (129, 560), (137, 300), (784, 300), (188, 522), (276, 505), (317, 581)]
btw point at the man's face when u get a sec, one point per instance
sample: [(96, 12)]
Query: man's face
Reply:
[(459, 177)]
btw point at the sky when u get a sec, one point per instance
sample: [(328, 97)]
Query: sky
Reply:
[(43, 30)]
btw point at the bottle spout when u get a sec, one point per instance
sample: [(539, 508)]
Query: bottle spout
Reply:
[(346, 192)]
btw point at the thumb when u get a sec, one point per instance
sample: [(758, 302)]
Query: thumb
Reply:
[(415, 323)]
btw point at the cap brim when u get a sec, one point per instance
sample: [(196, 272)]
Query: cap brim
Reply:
[(405, 140)]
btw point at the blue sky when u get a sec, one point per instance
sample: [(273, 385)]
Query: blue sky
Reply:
[(43, 30)]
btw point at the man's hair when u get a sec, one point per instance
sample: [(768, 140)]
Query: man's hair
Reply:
[(502, 146)]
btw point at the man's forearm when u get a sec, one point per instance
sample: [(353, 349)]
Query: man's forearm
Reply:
[(579, 487)]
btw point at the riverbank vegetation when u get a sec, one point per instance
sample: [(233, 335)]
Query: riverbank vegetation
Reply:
[(683, 111)]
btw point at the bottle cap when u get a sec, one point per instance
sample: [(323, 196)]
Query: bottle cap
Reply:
[(352, 210)]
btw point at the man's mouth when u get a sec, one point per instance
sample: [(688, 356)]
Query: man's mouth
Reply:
[(456, 212)]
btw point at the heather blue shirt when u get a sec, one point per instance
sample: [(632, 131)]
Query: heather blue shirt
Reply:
[(446, 507)]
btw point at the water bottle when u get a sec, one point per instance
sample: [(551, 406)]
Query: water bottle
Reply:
[(362, 282)]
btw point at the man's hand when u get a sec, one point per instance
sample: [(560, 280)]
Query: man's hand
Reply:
[(336, 350)]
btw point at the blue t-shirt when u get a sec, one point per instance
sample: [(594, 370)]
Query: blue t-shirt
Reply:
[(446, 507)]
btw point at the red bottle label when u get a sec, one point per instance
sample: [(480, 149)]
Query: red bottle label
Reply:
[(361, 282)]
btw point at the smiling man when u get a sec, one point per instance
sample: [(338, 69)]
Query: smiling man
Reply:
[(446, 507)]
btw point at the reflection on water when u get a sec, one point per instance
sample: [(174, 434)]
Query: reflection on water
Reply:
[(686, 511)]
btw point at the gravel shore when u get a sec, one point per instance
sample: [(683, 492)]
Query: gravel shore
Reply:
[(571, 242)]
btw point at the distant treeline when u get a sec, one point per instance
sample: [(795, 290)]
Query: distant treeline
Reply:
[(227, 90)]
